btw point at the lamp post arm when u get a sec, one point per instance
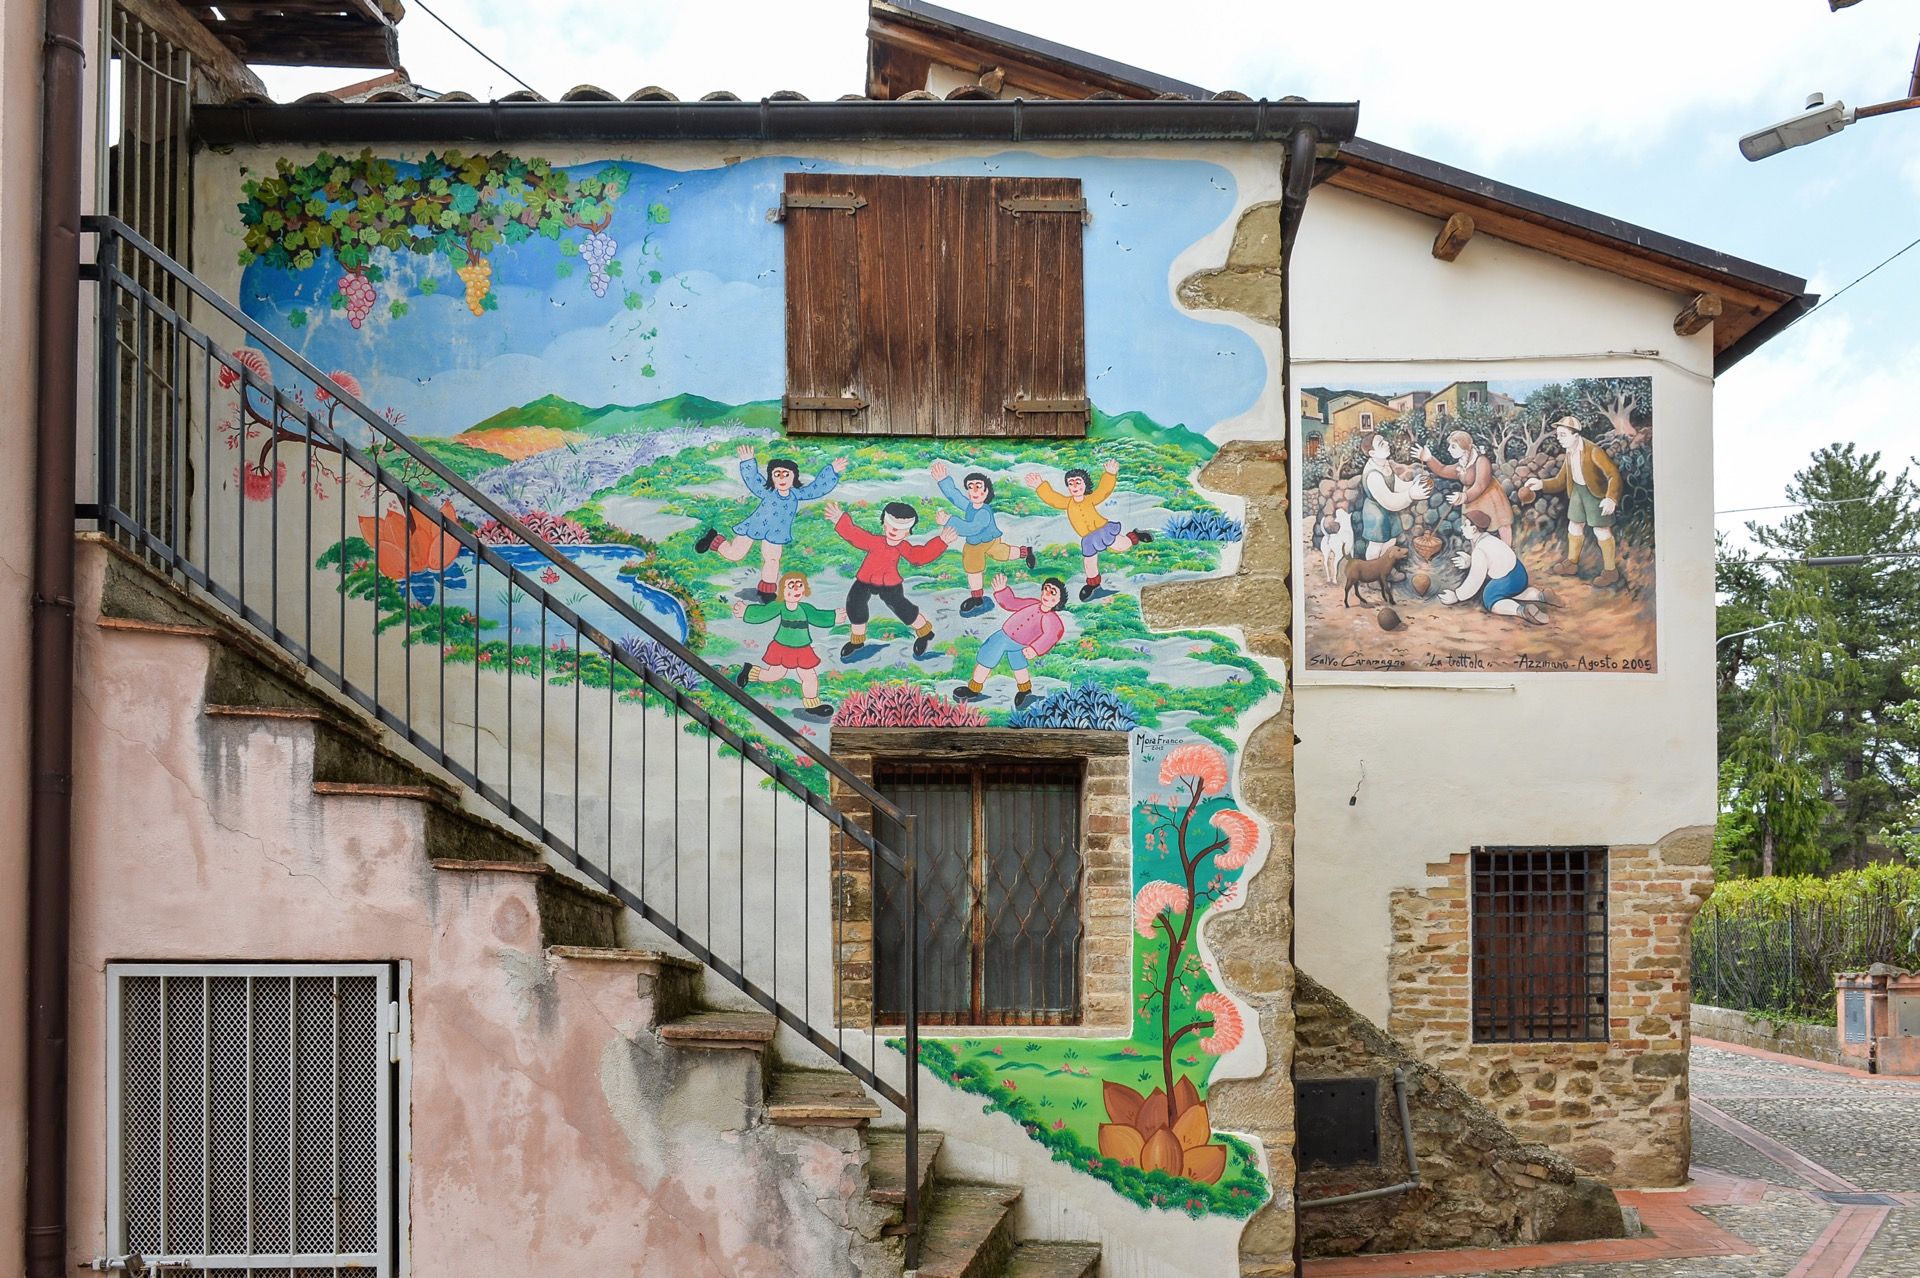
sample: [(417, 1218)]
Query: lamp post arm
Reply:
[(1886, 108)]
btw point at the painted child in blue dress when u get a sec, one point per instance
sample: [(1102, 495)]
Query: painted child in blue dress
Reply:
[(1495, 575), (979, 527), (771, 523)]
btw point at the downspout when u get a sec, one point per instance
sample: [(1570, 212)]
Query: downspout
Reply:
[(50, 714)]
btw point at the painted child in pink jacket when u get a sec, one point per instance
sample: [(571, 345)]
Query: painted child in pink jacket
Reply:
[(1026, 636)]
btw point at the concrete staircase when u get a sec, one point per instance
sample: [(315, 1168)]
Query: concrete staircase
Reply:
[(674, 1074)]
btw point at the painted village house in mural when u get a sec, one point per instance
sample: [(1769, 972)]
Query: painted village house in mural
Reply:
[(835, 687)]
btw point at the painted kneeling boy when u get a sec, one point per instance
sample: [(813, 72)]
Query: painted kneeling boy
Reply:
[(878, 576), (1025, 637), (790, 653), (974, 519), (1495, 575)]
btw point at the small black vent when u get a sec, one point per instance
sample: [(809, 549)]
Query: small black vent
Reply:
[(1338, 1121), (1862, 1199)]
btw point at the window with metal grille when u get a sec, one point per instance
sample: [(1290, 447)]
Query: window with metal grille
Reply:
[(999, 869), (1539, 944), (935, 305), (251, 1117)]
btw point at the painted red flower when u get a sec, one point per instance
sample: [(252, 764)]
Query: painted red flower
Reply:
[(1196, 760), (253, 361), (550, 576), (344, 380), (259, 484)]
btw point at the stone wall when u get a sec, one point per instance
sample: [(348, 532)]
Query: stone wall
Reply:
[(1618, 1109), (1751, 1029), (1480, 1185)]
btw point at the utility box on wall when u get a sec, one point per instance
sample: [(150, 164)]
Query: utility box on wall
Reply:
[(1897, 1051), (1877, 1015)]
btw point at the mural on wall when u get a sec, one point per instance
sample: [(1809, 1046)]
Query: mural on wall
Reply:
[(1478, 526), (850, 581)]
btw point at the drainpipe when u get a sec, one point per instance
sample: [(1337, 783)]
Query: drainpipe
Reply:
[(50, 745)]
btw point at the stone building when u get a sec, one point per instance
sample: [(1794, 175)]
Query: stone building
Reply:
[(659, 683)]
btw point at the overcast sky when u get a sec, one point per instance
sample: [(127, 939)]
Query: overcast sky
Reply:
[(1629, 107)]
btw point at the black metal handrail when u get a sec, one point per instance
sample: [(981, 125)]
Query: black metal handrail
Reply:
[(147, 355)]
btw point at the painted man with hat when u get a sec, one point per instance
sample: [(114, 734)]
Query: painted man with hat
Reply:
[(1593, 487)]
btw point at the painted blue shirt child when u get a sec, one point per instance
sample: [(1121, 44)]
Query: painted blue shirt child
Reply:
[(779, 496), (979, 527)]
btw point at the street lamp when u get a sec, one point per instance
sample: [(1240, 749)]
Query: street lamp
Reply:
[(1820, 119), (1751, 631)]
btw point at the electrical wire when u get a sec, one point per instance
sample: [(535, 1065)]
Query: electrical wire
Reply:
[(1822, 304), (482, 52), (1794, 505)]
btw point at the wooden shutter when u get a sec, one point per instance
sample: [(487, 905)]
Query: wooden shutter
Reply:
[(935, 306)]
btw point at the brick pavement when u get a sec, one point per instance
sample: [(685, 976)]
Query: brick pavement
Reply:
[(1781, 1146)]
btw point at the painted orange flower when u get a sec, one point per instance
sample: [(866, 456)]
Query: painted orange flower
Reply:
[(401, 551), (253, 361), (1227, 1026), (344, 380), (1198, 761), (1156, 1132), (1243, 835)]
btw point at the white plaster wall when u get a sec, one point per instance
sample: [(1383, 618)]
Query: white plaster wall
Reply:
[(1513, 758)]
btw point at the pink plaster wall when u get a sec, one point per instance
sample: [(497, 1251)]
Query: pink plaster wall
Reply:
[(552, 1131)]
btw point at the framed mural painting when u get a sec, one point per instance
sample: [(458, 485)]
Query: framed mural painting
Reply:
[(1477, 527)]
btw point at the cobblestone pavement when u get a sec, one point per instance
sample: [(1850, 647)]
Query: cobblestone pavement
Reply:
[(1813, 1171), (1860, 1134)]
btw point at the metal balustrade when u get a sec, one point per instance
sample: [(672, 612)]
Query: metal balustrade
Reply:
[(493, 653)]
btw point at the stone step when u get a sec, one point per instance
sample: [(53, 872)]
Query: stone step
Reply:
[(966, 1233), (751, 1030), (819, 1098), (571, 913), (887, 1166), (1054, 1260)]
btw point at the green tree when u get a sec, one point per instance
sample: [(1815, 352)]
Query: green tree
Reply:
[(1862, 752)]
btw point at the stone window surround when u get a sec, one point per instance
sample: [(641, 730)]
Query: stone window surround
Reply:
[(1106, 893)]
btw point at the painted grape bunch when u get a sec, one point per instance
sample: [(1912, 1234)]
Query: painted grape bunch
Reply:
[(596, 251), (358, 290), (453, 206)]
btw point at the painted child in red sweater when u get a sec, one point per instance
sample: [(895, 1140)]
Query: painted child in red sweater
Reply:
[(1026, 636), (879, 574)]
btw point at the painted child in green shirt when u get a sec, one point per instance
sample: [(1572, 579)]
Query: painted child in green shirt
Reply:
[(790, 653)]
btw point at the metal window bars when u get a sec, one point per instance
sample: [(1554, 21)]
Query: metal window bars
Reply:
[(1539, 944), (501, 660)]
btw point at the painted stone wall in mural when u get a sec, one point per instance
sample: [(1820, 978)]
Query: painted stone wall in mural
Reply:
[(1479, 526), (609, 369)]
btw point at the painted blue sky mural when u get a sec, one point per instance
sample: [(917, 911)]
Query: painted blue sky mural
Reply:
[(711, 323)]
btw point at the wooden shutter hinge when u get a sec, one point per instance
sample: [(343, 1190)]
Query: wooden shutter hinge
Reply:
[(820, 404), (1074, 205), (1025, 406), (848, 204)]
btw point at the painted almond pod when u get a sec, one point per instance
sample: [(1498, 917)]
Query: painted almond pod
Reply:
[(1120, 1143), (1206, 1164), (1123, 1103), (1191, 1128), (1422, 583), (1154, 1112), (1162, 1152), (1185, 1096)]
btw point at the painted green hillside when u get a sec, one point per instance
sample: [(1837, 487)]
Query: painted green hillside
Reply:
[(557, 413), (462, 459)]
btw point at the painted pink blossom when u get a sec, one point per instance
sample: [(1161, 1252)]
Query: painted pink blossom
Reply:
[(1227, 1028), (1242, 834), (253, 361), (1196, 760), (344, 380), (259, 484), (1154, 899)]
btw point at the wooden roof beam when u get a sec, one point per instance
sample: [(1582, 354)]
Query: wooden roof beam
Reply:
[(1697, 314), (1453, 236)]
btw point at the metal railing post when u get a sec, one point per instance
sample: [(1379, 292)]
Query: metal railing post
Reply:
[(911, 855), (107, 411)]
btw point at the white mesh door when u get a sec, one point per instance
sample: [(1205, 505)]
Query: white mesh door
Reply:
[(250, 1118)]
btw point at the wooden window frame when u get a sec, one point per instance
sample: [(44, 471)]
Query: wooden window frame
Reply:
[(935, 307), (1550, 984), (1106, 854)]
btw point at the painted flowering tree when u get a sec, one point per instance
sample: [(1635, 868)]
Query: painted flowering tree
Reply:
[(1168, 1128), (451, 206)]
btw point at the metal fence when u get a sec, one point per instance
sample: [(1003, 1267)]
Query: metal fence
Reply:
[(1781, 957), (230, 462)]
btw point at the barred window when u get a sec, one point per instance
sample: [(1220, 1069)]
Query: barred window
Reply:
[(251, 1117), (1539, 944), (999, 870)]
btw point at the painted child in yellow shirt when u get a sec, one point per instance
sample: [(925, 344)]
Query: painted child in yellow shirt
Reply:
[(1096, 531)]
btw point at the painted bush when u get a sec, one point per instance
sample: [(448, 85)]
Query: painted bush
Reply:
[(638, 429)]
